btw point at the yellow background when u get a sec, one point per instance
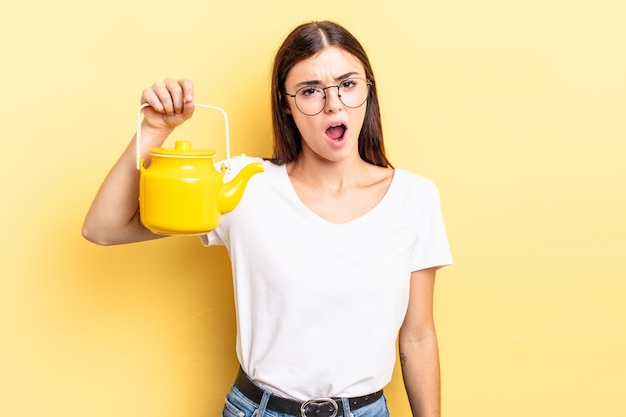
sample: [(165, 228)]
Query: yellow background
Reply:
[(516, 109)]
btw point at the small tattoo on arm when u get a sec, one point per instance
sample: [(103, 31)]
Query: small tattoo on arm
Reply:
[(403, 359)]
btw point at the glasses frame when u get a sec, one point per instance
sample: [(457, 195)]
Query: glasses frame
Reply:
[(368, 83)]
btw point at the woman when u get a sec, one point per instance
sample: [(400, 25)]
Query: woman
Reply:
[(334, 252)]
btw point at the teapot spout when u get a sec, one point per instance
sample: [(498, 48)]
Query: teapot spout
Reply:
[(232, 191)]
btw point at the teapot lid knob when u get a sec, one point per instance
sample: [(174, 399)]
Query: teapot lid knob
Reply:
[(183, 146)]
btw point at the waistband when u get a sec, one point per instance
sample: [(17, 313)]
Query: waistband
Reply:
[(318, 407)]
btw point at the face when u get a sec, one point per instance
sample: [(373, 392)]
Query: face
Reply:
[(332, 135)]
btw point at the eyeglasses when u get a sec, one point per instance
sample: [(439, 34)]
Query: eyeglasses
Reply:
[(352, 92)]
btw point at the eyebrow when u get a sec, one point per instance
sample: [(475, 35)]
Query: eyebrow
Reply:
[(318, 82)]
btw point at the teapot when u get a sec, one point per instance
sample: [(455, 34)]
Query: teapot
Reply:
[(181, 192)]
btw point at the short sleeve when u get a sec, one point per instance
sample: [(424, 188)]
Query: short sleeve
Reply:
[(431, 247)]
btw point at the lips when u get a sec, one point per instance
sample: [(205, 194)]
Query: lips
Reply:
[(336, 132)]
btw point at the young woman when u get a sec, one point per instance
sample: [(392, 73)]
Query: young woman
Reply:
[(334, 252)]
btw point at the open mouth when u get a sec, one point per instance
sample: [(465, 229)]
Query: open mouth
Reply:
[(336, 132)]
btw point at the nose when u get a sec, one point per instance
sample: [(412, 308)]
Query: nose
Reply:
[(333, 101)]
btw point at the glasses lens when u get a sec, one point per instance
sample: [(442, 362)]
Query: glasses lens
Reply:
[(352, 93), (310, 100)]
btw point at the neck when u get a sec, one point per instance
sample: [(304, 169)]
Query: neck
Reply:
[(327, 174)]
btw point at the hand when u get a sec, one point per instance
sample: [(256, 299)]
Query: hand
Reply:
[(171, 104)]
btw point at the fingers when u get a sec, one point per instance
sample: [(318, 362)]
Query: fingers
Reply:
[(188, 97), (170, 96), (188, 91)]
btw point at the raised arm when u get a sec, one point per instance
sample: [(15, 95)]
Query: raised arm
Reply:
[(113, 217)]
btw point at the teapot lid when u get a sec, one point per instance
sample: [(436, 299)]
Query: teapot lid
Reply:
[(183, 149)]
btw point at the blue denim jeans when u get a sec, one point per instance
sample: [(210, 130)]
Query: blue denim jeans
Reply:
[(238, 405)]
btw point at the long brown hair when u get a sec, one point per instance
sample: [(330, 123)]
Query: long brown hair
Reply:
[(303, 42)]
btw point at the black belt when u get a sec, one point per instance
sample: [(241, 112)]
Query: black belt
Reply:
[(319, 407)]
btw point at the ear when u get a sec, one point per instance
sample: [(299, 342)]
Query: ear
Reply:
[(284, 103)]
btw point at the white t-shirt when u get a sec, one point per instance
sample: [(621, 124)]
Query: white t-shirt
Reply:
[(319, 304)]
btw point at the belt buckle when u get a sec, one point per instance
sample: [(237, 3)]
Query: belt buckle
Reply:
[(318, 402)]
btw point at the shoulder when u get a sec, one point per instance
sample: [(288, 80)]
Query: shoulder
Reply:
[(236, 163), (415, 183)]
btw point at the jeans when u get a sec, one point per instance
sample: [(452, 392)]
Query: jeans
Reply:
[(238, 405)]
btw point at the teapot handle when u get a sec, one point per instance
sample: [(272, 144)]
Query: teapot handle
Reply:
[(206, 106)]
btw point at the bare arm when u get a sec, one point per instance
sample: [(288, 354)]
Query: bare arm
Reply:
[(419, 354), (113, 217)]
